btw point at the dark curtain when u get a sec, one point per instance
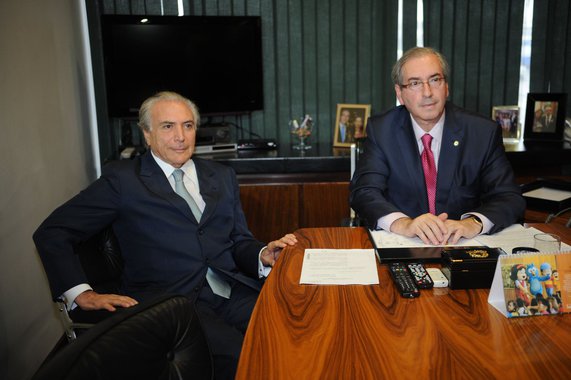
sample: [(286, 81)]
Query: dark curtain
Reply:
[(482, 41), (316, 54), (551, 48)]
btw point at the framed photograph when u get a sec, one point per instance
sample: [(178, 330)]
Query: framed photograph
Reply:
[(507, 118), (545, 116), (350, 123)]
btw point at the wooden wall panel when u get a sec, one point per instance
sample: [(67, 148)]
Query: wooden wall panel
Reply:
[(271, 210), (324, 204)]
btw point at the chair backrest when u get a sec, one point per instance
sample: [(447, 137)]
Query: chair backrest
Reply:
[(101, 260), (157, 339)]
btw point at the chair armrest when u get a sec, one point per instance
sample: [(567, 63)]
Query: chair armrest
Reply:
[(157, 339)]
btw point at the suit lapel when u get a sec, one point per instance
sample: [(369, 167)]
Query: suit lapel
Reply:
[(208, 188), (409, 149), (452, 142), (156, 181)]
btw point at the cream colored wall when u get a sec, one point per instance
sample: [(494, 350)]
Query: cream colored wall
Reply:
[(45, 159)]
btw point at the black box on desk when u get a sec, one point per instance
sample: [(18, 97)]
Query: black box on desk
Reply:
[(470, 267)]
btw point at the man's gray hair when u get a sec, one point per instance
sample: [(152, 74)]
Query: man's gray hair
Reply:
[(145, 110), (417, 52)]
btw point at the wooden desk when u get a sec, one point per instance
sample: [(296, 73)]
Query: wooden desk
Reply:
[(369, 332)]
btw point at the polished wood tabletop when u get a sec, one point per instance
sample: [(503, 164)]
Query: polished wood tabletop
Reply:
[(371, 332)]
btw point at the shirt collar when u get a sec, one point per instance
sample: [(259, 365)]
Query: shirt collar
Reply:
[(168, 169), (435, 132)]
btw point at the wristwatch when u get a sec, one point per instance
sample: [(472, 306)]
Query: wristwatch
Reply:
[(478, 221)]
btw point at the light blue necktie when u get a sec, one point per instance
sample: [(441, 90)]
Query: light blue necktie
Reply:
[(217, 284), (180, 189)]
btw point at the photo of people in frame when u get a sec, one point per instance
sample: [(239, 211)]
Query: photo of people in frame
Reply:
[(350, 123), (545, 117), (507, 118)]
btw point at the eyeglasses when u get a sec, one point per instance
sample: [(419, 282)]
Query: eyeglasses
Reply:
[(418, 85)]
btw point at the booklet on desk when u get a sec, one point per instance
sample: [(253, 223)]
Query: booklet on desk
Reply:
[(392, 247), (530, 284), (509, 238), (421, 254)]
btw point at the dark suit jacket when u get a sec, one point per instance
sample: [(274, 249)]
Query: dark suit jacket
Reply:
[(164, 249), (349, 134), (474, 174), (548, 126)]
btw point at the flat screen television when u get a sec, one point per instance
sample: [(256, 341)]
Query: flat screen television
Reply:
[(216, 61)]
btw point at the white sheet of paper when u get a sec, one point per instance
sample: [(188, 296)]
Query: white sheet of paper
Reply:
[(339, 267), (549, 194), (513, 236)]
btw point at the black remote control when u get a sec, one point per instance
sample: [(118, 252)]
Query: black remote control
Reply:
[(403, 280), (421, 277)]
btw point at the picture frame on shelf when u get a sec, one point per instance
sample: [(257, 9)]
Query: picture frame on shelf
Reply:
[(545, 117), (507, 118), (350, 123)]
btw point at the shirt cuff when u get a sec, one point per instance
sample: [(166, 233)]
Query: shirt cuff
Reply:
[(385, 222), (263, 271), (70, 295), (487, 223)]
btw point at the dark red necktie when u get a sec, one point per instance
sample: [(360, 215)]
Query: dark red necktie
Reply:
[(429, 168)]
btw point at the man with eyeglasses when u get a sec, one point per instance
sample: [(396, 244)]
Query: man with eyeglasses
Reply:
[(431, 169)]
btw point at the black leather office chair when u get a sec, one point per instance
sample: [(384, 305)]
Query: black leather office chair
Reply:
[(157, 339), (102, 263)]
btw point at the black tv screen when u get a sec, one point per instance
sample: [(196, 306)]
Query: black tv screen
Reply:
[(216, 61)]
